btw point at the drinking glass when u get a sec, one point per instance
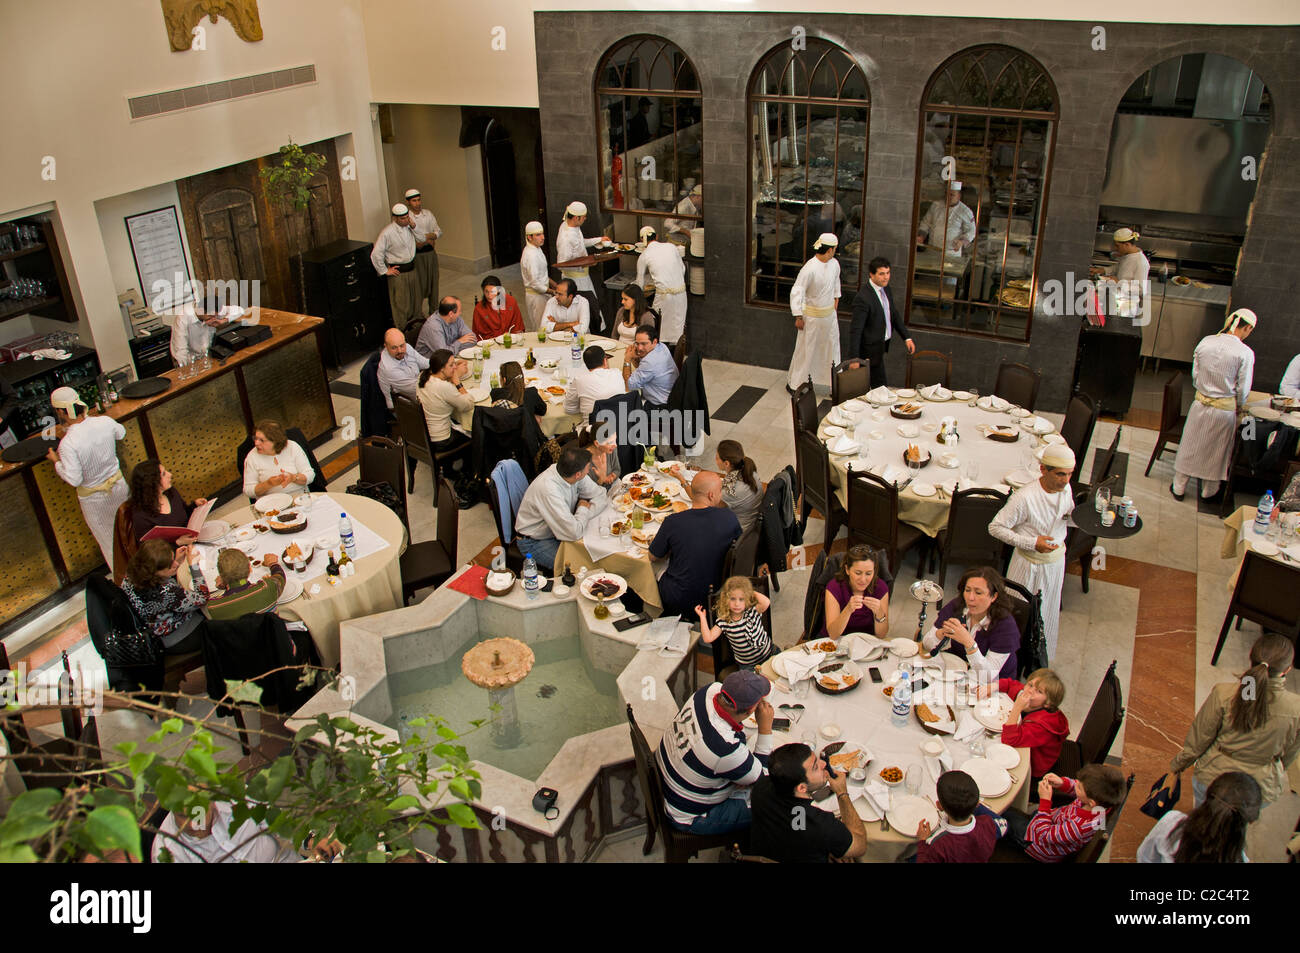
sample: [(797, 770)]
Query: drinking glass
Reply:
[(604, 528), (912, 779), (1274, 532), (478, 368), (972, 471), (1108, 516), (810, 739), (505, 339), (487, 348), (1102, 500), (541, 335), (976, 745), (800, 690)]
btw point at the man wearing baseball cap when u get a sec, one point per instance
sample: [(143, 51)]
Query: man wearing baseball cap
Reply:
[(570, 244), (87, 459), (425, 228), (703, 760), (538, 286), (394, 259)]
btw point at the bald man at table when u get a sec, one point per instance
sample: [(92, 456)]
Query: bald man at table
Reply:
[(695, 542)]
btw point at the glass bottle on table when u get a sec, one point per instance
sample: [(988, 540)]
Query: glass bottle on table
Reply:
[(332, 567)]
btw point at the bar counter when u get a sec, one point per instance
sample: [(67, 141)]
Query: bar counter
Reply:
[(194, 427)]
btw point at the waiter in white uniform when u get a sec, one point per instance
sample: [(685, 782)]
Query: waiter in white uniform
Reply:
[(570, 244), (1222, 370), (1034, 521), (950, 225), (394, 259), (87, 459), (192, 334), (425, 228), (538, 286), (661, 267), (813, 302), (693, 204), (1130, 270)]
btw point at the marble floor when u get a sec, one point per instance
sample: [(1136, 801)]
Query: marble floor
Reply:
[(1155, 606)]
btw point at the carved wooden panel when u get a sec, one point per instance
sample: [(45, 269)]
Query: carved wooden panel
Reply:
[(197, 434), (29, 575), (231, 241), (286, 385), (182, 16)]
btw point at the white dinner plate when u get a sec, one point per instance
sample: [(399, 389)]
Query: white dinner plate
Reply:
[(1053, 438), (292, 590), (1019, 412), (991, 780), (962, 395), (1041, 425), (1003, 756), (992, 712), (907, 392), (903, 648), (833, 431), (561, 336), (949, 461), (213, 530), (273, 501), (854, 406), (995, 404), (907, 812), (244, 534), (923, 489), (843, 449), (585, 587)]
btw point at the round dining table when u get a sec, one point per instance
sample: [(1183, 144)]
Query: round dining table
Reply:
[(876, 442), (863, 717), (554, 370), (376, 586)]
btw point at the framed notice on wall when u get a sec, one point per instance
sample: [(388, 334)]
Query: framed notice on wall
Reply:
[(160, 258)]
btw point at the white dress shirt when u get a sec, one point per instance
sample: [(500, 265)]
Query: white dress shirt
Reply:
[(684, 225), (424, 226), (88, 451), (394, 246), (192, 338), (1290, 386), (550, 507), (884, 305), (586, 387), (818, 285), (533, 270), (577, 310)]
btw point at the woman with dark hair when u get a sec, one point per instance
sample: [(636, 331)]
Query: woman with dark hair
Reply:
[(442, 396), (155, 502), (634, 313), (978, 625), (497, 312), (857, 599), (604, 456), (276, 464), (1214, 833), (1250, 725), (513, 391), (741, 491), (167, 610)]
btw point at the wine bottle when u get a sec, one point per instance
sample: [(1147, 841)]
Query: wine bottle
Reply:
[(331, 568)]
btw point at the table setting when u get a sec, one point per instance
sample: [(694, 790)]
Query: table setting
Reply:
[(1280, 541), (932, 441), (893, 768)]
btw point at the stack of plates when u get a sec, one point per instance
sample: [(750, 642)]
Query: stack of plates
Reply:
[(697, 242), (696, 280)]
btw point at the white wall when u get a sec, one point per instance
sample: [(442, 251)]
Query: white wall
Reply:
[(112, 212)]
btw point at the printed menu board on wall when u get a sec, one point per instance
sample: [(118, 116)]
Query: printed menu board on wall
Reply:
[(160, 257)]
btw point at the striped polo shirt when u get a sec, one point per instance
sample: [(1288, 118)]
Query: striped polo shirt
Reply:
[(703, 758)]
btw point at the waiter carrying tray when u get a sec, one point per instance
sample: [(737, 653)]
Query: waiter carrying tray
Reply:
[(394, 258), (87, 459), (425, 228), (1034, 521), (813, 301), (661, 267), (1222, 370), (570, 244)]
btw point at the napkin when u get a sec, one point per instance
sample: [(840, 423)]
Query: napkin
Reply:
[(936, 392), (838, 417), (799, 665), (49, 352), (843, 444), (472, 582), (881, 395), (997, 403), (877, 795), (967, 727), (893, 474), (667, 635), (937, 766)]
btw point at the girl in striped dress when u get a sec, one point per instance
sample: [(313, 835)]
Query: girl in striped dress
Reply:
[(739, 612)]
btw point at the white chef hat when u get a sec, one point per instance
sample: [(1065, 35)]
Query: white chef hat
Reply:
[(534, 228), (647, 232), (1126, 235), (412, 194), (575, 208), (399, 210), (65, 398), (697, 190), (1058, 455), (1239, 317), (954, 186), (826, 239)]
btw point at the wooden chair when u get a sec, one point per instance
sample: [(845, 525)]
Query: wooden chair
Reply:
[(514, 558), (928, 367), (818, 494), (966, 538), (1008, 853), (1267, 592), (433, 562), (823, 571), (1018, 383), (873, 520), (383, 461), (1027, 610), (1080, 421), (414, 432), (724, 659), (848, 381), (803, 407), (1172, 419), (1092, 743), (679, 353), (741, 558), (679, 846)]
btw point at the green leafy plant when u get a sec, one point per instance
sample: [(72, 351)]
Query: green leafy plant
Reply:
[(288, 184), (334, 779)]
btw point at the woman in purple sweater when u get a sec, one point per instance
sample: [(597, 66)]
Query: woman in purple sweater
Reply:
[(857, 599), (979, 625)]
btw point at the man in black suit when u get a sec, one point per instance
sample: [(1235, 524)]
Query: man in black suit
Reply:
[(876, 321)]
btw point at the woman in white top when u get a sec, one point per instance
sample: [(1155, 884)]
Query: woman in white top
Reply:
[(276, 464), (634, 313), (1214, 833), (442, 395)]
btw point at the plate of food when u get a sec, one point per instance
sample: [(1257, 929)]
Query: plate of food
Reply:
[(556, 390), (287, 521), (822, 645), (844, 756), (603, 585), (838, 676), (936, 717), (992, 712), (908, 410), (639, 479), (1181, 281), (297, 556), (891, 775), (991, 780), (244, 533), (643, 536), (649, 498), (273, 501)]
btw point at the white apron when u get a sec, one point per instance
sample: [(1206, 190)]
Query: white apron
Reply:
[(816, 349)]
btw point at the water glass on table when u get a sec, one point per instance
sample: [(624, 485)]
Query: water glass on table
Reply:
[(973, 472), (912, 780)]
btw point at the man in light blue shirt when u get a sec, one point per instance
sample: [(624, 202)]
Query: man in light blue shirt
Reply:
[(557, 507), (649, 365), (399, 368), (445, 330)]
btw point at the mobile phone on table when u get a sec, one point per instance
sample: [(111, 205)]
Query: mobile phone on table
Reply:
[(875, 675), (632, 621), (780, 724)]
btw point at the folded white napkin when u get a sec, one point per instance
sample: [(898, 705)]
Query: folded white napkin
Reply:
[(843, 444), (799, 665), (998, 403), (838, 417), (880, 395), (967, 727), (893, 474), (877, 795)]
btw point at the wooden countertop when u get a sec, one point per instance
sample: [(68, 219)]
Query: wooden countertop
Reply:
[(285, 326)]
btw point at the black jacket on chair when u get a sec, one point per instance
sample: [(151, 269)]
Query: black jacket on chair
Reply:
[(501, 432), (252, 645), (376, 418), (780, 527), (867, 331), (624, 409), (688, 397)]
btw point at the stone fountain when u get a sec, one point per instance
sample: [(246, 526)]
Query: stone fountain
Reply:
[(499, 665)]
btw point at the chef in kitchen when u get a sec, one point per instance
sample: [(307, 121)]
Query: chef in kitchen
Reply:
[(693, 204), (1130, 269), (949, 225), (660, 266), (194, 330)]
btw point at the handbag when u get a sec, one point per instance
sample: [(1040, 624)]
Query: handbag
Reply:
[(1164, 795), (380, 492), (130, 650)]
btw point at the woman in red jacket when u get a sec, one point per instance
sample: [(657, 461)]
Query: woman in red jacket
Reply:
[(1036, 721), (498, 312)]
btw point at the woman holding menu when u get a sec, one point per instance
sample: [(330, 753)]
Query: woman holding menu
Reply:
[(155, 502)]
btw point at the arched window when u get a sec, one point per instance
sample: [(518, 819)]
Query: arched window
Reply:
[(650, 129), (988, 119), (809, 111)]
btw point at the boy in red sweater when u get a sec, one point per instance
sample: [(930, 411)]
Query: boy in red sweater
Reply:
[(1036, 721), (1050, 835), (971, 830)]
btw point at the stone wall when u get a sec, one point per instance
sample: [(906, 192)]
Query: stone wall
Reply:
[(898, 55)]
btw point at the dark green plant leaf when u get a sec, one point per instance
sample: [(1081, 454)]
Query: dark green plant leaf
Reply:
[(114, 828)]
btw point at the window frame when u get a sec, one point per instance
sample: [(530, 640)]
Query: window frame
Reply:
[(988, 113), (809, 102)]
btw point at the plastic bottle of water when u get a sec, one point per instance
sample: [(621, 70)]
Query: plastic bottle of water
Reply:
[(530, 576), (1264, 512), (902, 699), (575, 352), (345, 535)]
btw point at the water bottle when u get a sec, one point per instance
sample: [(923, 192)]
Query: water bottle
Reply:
[(575, 352), (1264, 512), (530, 576), (345, 535), (902, 699)]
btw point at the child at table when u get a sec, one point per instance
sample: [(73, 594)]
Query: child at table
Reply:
[(1051, 836), (739, 611), (1036, 721), (971, 830)]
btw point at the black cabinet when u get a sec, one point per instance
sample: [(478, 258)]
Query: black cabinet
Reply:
[(152, 353), (1107, 363), (342, 288)]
